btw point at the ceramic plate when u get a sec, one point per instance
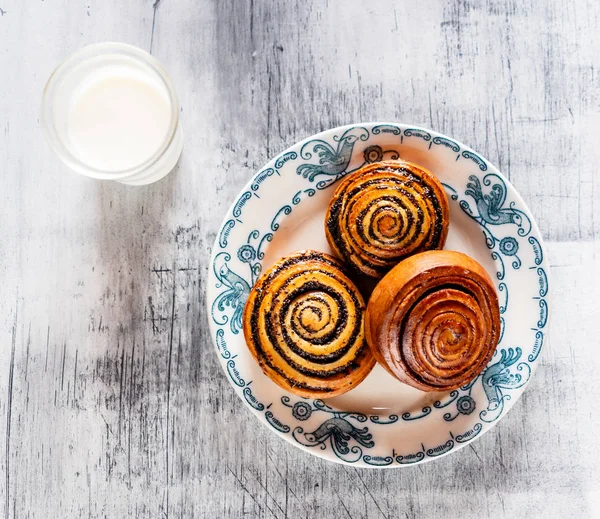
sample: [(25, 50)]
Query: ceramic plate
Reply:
[(381, 423)]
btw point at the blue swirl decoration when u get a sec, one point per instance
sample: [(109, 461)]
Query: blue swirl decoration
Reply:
[(500, 262), (385, 128), (424, 412), (286, 157), (222, 344), (264, 240), (503, 288), (393, 418), (440, 405), (501, 329), (253, 235), (276, 423), (234, 374), (285, 400), (440, 449), (298, 196), (261, 177), (543, 313), (324, 184), (470, 434), (241, 202), (537, 346), (537, 250), (476, 159), (409, 459), (443, 141), (224, 234), (251, 399), (378, 461), (543, 282), (417, 132), (286, 210)]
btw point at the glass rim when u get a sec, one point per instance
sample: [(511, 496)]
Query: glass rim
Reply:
[(79, 57)]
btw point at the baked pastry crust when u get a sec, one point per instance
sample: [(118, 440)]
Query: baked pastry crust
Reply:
[(304, 325), (385, 212), (434, 321)]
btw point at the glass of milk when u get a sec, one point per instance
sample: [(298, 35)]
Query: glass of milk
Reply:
[(110, 111)]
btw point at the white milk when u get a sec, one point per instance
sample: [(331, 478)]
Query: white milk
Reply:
[(119, 117), (110, 111)]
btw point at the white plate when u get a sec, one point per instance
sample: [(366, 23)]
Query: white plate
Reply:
[(381, 423)]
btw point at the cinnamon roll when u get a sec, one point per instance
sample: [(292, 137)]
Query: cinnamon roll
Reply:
[(434, 321), (385, 212), (304, 324)]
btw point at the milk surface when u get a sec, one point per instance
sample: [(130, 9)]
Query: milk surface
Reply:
[(119, 118)]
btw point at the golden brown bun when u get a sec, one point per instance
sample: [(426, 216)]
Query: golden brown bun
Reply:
[(434, 321), (385, 212), (304, 324)]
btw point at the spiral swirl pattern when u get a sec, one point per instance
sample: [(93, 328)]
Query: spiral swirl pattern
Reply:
[(304, 324), (434, 321), (385, 212)]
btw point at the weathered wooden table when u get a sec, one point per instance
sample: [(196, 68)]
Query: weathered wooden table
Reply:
[(112, 402)]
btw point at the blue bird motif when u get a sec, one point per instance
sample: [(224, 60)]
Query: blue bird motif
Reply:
[(234, 297), (332, 162), (490, 205), (497, 377), (340, 431)]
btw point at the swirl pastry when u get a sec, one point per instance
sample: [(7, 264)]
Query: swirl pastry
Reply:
[(304, 324), (433, 321), (385, 212)]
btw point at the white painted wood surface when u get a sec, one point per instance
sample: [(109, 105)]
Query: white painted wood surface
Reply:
[(112, 403)]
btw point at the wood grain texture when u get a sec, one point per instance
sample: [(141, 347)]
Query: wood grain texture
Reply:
[(112, 402)]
